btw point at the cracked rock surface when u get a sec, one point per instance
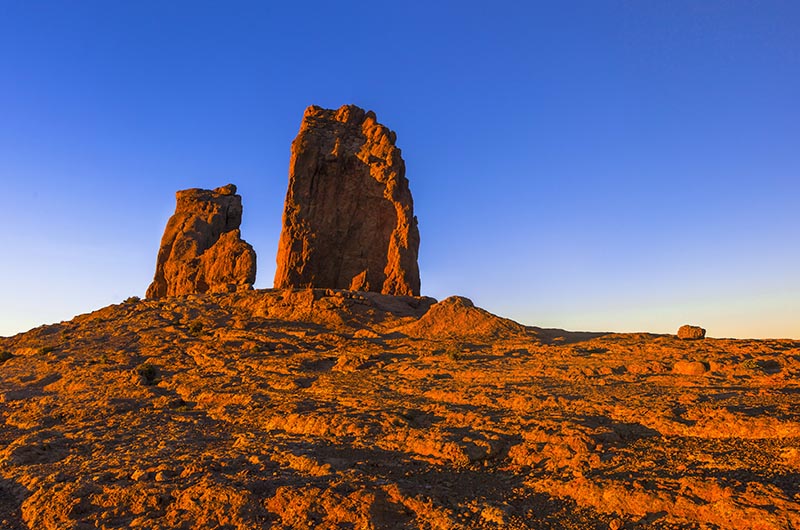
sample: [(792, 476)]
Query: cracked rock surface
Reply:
[(320, 408)]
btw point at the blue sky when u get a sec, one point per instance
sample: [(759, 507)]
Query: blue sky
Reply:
[(598, 165)]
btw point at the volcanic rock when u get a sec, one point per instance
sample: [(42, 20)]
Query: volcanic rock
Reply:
[(688, 332), (457, 317), (202, 249), (336, 309), (684, 367), (313, 408), (348, 219)]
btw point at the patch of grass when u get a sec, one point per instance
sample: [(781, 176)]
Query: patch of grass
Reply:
[(5, 355), (196, 327)]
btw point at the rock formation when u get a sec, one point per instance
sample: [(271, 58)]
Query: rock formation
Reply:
[(348, 219), (688, 332), (686, 367), (457, 317), (202, 249)]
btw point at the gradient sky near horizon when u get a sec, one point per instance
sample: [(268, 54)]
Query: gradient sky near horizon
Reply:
[(588, 165)]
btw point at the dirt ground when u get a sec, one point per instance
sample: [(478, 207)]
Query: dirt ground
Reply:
[(334, 409)]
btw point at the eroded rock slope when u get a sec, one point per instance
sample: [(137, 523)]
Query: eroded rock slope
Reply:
[(335, 409)]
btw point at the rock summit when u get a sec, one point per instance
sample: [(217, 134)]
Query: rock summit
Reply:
[(202, 249), (348, 219)]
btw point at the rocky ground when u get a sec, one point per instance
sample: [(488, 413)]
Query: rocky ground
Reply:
[(333, 409)]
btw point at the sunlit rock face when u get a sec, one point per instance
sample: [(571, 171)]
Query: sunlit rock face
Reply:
[(324, 408), (688, 332), (202, 249), (348, 219)]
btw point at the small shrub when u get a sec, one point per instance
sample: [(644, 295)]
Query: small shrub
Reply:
[(455, 352), (44, 350), (455, 355), (196, 327), (147, 372), (5, 355), (131, 300)]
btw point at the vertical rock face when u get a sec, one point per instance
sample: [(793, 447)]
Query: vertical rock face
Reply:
[(202, 249), (348, 219)]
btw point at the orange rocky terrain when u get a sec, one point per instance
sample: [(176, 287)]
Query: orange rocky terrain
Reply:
[(315, 408)]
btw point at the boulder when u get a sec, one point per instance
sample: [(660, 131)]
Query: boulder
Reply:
[(202, 249), (457, 317), (688, 332), (348, 218), (689, 367)]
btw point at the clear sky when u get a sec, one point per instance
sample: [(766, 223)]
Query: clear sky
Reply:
[(595, 165)]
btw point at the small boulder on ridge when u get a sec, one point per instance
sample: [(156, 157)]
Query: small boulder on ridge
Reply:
[(688, 332)]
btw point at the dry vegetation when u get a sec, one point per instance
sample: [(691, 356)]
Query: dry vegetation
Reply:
[(324, 409)]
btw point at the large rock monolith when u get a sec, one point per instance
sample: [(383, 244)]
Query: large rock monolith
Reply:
[(348, 219), (202, 249)]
